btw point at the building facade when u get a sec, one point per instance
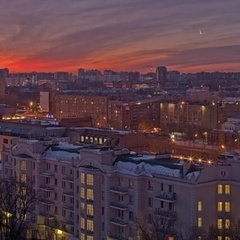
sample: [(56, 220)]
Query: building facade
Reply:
[(98, 193)]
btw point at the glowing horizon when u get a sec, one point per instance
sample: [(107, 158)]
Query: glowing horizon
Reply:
[(119, 35)]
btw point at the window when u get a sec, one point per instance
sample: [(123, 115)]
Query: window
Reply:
[(120, 181), (150, 202), (150, 220), (130, 215), (102, 210), (219, 206), (83, 178), (162, 204), (55, 182), (82, 193), (130, 183), (219, 238), (55, 196), (90, 210), (82, 223), (227, 189), (47, 180), (199, 206), (227, 207), (227, 223), (55, 168), (5, 140), (63, 170), (170, 188), (219, 223), (150, 185), (90, 179), (131, 199), (23, 165), (219, 189), (63, 213), (63, 184), (82, 206), (199, 222), (23, 177), (89, 194), (90, 225), (89, 237)]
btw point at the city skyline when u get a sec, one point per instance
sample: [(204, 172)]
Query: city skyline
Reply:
[(138, 35)]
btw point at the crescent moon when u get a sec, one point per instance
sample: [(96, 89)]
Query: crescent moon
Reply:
[(200, 32)]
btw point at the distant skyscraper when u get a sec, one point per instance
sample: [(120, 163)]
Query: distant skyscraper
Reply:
[(80, 72), (161, 74), (3, 74)]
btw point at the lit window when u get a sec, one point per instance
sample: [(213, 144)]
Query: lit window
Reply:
[(90, 179), (83, 178), (82, 236), (219, 223), (89, 237), (199, 206), (219, 188), (90, 225), (90, 210), (227, 238), (227, 223), (23, 165), (82, 223), (23, 177), (219, 238), (227, 189), (89, 194), (227, 207), (82, 206), (199, 222), (82, 193), (220, 206)]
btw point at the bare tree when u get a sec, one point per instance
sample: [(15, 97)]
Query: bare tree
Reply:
[(17, 202), (160, 229)]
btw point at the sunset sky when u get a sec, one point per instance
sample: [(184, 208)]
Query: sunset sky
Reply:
[(54, 35)]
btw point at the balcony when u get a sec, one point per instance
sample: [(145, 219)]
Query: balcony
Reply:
[(47, 215), (47, 201), (68, 177), (118, 190), (46, 173), (119, 222), (69, 221), (167, 197), (169, 215), (68, 207), (46, 187), (68, 192), (118, 205)]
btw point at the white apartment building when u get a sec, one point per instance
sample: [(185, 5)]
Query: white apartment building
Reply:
[(97, 194)]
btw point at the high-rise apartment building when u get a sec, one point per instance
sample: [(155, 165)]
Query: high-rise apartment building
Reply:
[(99, 194), (3, 75), (161, 75)]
